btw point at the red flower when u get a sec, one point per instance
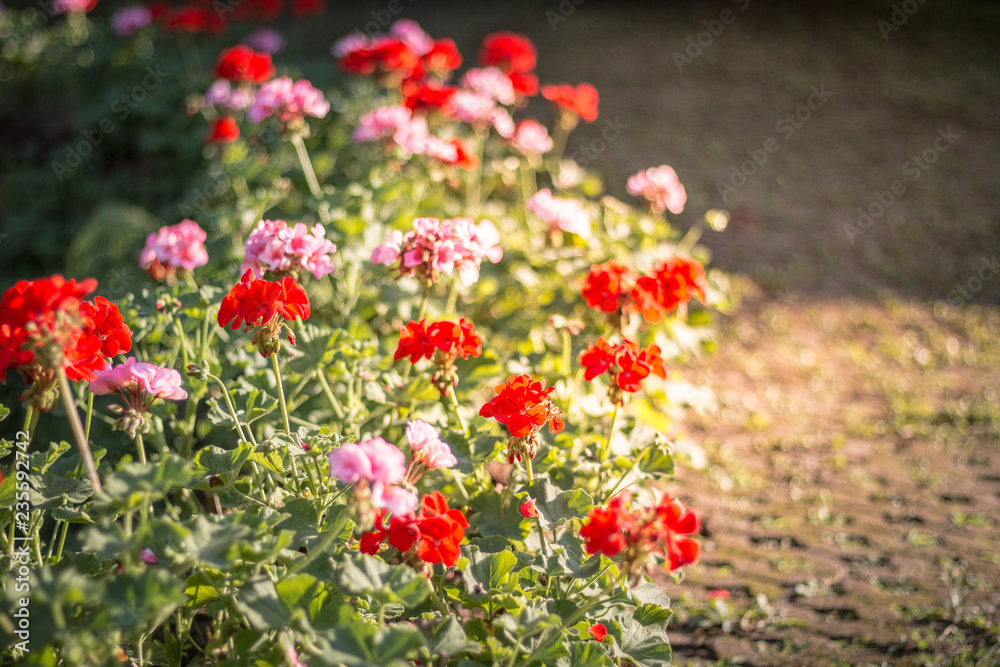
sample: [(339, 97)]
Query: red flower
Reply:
[(436, 531), (371, 541), (509, 51), (525, 83), (669, 289), (443, 57), (390, 60), (308, 7), (678, 521), (528, 509), (522, 404), (581, 100), (427, 96), (598, 631), (605, 529), (627, 362), (253, 302), (193, 19), (224, 130), (443, 342), (106, 322), (605, 287), (241, 64), (598, 358)]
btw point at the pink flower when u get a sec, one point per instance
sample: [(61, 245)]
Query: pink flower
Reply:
[(293, 657), (531, 138), (130, 19), (266, 40), (503, 123), (64, 6), (349, 463), (288, 101), (148, 557), (396, 499), (410, 33), (492, 82), (470, 107), (222, 93), (437, 247), (181, 246), (660, 187), (395, 124), (276, 246), (140, 379), (387, 461), (350, 43), (569, 215), (718, 594), (428, 447)]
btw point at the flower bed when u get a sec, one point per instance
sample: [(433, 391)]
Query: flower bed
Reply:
[(424, 411)]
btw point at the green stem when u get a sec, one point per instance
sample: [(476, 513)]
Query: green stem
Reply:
[(90, 414), (605, 451), (310, 173), (284, 415), (77, 428), (140, 448), (541, 537), (475, 178), (460, 485), (527, 467), (635, 461), (565, 122), (452, 298), (692, 237), (314, 553), (62, 541), (438, 602), (232, 409), (330, 396), (458, 413)]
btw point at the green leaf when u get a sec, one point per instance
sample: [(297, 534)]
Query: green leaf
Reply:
[(487, 573), (589, 654), (557, 506), (136, 483), (417, 390), (48, 491), (361, 574), (218, 462), (4, 411), (492, 518), (8, 491), (645, 646), (258, 600), (656, 460), (473, 454), (449, 640), (570, 559)]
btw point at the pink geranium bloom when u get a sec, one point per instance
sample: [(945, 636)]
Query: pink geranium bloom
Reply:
[(660, 187), (350, 464), (64, 6), (222, 93), (388, 462), (396, 499), (492, 82), (288, 101), (568, 215), (440, 247), (471, 107), (128, 20), (531, 138), (266, 40), (141, 380), (148, 557), (410, 33), (396, 125), (283, 249), (427, 446), (180, 246)]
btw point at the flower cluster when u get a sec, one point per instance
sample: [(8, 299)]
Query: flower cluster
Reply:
[(532, 139), (428, 450), (224, 130), (560, 213), (139, 383), (516, 56), (241, 64), (407, 55), (265, 304), (660, 187), (613, 288), (573, 103), (439, 247), (46, 325), (432, 535), (443, 342), (523, 406), (396, 126), (284, 249), (638, 536), (377, 469), (627, 363), (173, 248), (288, 101)]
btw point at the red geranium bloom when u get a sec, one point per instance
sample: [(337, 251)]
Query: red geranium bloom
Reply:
[(606, 286), (389, 59), (430, 96), (254, 302), (443, 57), (669, 289), (598, 631), (678, 521), (436, 530), (627, 362), (443, 342), (241, 64), (105, 321), (224, 130), (464, 158), (581, 100), (256, 10), (193, 19), (529, 509), (371, 541), (522, 404), (509, 51), (525, 83), (308, 7)]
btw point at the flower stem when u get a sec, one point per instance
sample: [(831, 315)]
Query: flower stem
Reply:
[(284, 415), (458, 413), (452, 298), (310, 173), (78, 434), (334, 403), (527, 466), (605, 451), (90, 413), (635, 462), (475, 178), (140, 448)]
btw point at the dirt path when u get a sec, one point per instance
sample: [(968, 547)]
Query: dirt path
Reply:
[(852, 488)]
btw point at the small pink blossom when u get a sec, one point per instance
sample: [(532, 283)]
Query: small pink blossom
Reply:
[(222, 93), (139, 377), (441, 247), (388, 462), (288, 101), (660, 187), (128, 20), (503, 123), (410, 33), (349, 43), (396, 499), (293, 657), (148, 557), (492, 82), (267, 40), (349, 463), (568, 215), (427, 446), (395, 124), (531, 138), (180, 246), (470, 107), (64, 6), (280, 248)]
